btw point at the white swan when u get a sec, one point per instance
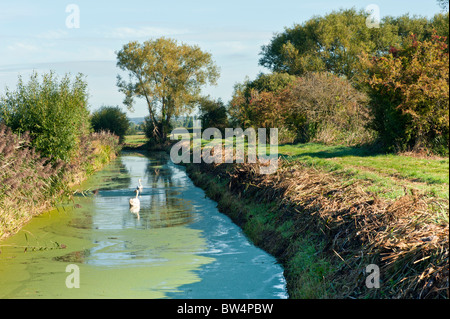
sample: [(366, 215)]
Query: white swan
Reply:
[(134, 202), (135, 210), (140, 187)]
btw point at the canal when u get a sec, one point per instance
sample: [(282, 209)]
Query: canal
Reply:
[(177, 246)]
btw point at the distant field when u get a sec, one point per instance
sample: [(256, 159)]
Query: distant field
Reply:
[(388, 175), (135, 141)]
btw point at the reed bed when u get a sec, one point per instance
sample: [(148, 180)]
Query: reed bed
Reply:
[(31, 184)]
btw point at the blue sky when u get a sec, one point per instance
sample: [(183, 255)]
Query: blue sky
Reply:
[(34, 35)]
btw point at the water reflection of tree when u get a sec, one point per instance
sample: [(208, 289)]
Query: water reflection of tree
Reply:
[(166, 209), (119, 176)]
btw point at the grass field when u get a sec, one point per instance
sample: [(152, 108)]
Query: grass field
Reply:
[(135, 141), (387, 175)]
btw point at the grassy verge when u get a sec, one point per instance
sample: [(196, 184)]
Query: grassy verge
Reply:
[(331, 211)]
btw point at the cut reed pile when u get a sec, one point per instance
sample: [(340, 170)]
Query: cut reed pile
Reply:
[(406, 237), (30, 184)]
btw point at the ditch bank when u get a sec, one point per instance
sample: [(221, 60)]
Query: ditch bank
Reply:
[(31, 184), (329, 233)]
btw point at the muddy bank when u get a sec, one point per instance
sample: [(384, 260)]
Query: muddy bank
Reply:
[(326, 232)]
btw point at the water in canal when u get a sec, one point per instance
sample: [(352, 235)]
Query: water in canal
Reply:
[(178, 245)]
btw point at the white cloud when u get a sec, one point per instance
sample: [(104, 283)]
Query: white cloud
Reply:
[(52, 34), (22, 47), (126, 32), (233, 47)]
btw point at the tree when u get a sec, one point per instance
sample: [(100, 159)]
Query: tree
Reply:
[(112, 119), (168, 75), (443, 4), (330, 43), (334, 42), (213, 114)]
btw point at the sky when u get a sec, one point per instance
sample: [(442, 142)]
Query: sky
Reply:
[(82, 36)]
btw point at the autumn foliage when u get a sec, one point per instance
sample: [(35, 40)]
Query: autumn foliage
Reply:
[(409, 90), (319, 107)]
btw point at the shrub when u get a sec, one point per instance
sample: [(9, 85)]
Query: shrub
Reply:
[(257, 103), (112, 119), (327, 108), (53, 112), (319, 107), (150, 131), (410, 95), (30, 184), (213, 114)]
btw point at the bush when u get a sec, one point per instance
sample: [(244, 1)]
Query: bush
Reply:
[(318, 107), (27, 181), (258, 103), (112, 119), (54, 113), (327, 108), (410, 95), (30, 184)]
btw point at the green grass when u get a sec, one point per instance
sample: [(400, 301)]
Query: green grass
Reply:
[(135, 141), (387, 174)]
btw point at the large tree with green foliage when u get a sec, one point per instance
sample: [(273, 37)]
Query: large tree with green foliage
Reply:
[(168, 75), (334, 42)]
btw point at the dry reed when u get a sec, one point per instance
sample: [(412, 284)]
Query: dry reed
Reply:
[(406, 237)]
